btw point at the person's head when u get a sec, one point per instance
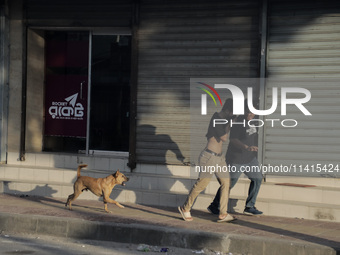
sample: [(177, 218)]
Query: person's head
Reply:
[(247, 113)]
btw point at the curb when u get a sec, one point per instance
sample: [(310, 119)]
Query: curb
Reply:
[(155, 235)]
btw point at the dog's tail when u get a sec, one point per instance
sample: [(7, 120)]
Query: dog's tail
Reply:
[(79, 168)]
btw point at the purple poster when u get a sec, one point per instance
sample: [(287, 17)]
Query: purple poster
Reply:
[(66, 105)]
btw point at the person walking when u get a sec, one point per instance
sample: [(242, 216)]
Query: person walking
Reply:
[(242, 155), (212, 156)]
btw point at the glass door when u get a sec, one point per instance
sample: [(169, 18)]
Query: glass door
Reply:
[(66, 81), (110, 93), (87, 92)]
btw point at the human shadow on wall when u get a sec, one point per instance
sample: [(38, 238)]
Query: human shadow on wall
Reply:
[(155, 181), (152, 148)]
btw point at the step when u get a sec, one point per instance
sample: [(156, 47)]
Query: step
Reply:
[(137, 180), (69, 161), (269, 189), (97, 162), (271, 207), (48, 174), (319, 202), (317, 181)]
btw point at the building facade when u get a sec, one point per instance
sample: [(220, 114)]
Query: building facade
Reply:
[(108, 83)]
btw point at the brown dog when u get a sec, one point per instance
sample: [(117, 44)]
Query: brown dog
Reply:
[(101, 187)]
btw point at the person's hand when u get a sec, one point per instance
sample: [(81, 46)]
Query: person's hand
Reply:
[(252, 148)]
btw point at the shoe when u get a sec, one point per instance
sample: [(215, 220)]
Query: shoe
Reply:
[(185, 215), (252, 211), (213, 209), (227, 218)]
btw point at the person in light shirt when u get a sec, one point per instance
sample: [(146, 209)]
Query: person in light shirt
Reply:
[(212, 156)]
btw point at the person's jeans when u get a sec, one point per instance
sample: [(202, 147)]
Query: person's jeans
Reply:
[(252, 171)]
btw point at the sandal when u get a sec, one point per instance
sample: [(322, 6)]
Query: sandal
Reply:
[(185, 215), (227, 218)]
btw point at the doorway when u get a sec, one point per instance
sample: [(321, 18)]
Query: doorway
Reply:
[(87, 91), (110, 93)]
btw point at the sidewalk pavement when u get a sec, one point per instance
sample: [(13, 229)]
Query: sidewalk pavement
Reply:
[(141, 224)]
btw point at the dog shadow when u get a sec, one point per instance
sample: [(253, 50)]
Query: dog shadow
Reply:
[(40, 193), (43, 190)]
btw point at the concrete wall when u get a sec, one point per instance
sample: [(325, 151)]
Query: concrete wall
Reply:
[(35, 91), (15, 75), (35, 83), (4, 75)]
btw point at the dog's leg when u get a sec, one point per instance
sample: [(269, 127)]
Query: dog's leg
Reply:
[(69, 201), (107, 199), (105, 208), (71, 198)]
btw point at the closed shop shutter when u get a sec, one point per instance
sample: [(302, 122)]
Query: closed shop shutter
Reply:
[(79, 13), (179, 40), (304, 51)]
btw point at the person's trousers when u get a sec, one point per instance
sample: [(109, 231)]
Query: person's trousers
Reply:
[(252, 171), (210, 164)]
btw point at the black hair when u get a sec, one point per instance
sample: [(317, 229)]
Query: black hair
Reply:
[(228, 105), (246, 108)]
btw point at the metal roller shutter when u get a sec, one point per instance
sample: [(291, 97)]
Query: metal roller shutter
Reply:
[(79, 13), (179, 40), (304, 51)]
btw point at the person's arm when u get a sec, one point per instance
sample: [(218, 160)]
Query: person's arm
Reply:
[(224, 138), (238, 144)]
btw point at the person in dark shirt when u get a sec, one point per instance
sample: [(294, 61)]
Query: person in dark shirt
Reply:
[(212, 157), (242, 155)]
